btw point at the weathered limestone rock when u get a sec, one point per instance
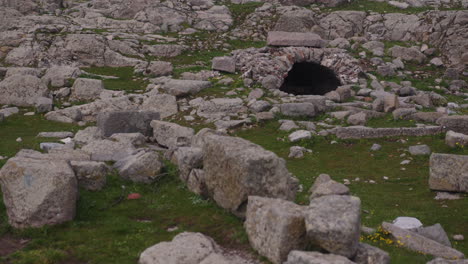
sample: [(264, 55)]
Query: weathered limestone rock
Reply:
[(38, 193), (324, 185), (117, 147), (59, 76), (367, 254), (44, 105), (110, 123), (164, 104), (299, 135), (185, 248), (236, 168), (225, 64), (86, 89), (310, 257), (171, 135), (187, 159), (275, 227), (448, 172), (333, 223), (164, 50), (435, 232), (91, 175), (22, 90), (181, 88), (357, 119), (390, 103), (413, 241), (419, 150), (458, 123), (158, 69), (454, 139), (142, 167), (298, 109), (407, 54), (61, 134), (87, 135), (282, 38), (367, 132)]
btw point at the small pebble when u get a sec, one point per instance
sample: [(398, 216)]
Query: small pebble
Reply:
[(172, 229), (458, 237), (405, 162), (19, 139), (385, 177)]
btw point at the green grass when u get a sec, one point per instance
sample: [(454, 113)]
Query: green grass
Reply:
[(26, 127), (406, 193), (126, 81), (106, 233), (388, 121)]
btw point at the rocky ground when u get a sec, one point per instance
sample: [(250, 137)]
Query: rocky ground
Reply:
[(151, 132)]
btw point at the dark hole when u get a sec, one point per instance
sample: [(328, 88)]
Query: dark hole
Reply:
[(310, 78)]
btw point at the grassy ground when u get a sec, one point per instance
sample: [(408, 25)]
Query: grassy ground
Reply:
[(405, 193), (105, 231), (126, 80)]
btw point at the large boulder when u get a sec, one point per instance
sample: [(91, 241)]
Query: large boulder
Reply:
[(454, 139), (333, 223), (236, 168), (22, 90), (126, 122), (448, 172), (171, 135), (164, 104), (407, 54), (142, 167), (458, 123), (225, 64), (59, 76), (188, 248), (275, 227), (38, 193), (86, 89)]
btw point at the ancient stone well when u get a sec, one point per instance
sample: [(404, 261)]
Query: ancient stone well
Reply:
[(310, 78), (299, 70)]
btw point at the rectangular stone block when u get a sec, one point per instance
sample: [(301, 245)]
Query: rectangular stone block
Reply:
[(126, 122), (297, 39)]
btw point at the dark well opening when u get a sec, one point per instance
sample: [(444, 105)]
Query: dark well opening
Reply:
[(310, 78)]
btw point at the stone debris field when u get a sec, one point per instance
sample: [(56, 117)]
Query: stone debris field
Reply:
[(234, 131)]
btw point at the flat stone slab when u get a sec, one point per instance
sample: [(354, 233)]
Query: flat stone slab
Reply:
[(298, 39), (61, 134), (356, 132), (418, 243)]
